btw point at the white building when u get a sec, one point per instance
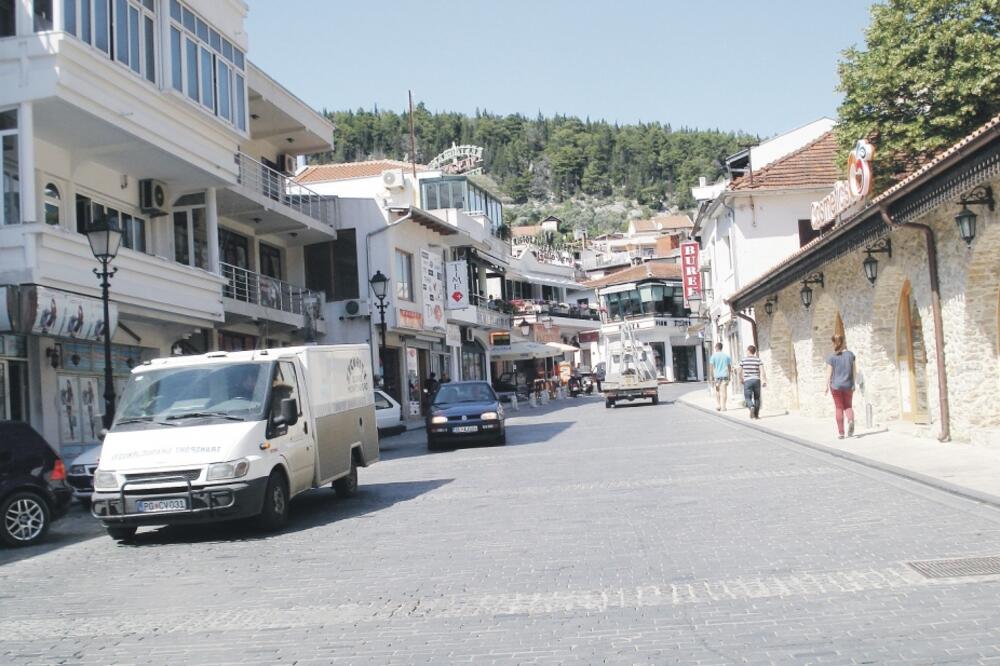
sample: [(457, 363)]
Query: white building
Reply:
[(148, 113), (757, 219)]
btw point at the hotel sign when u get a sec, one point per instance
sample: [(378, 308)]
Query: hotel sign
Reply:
[(848, 192), (690, 270)]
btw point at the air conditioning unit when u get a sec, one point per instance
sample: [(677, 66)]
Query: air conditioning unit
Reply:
[(467, 335), (288, 163), (152, 197), (393, 179), (355, 308)]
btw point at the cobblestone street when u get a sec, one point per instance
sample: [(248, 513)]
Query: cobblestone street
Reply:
[(640, 534)]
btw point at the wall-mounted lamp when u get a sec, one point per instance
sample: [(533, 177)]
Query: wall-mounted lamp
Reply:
[(807, 293), (54, 354), (525, 327), (870, 264), (966, 219), (769, 305)]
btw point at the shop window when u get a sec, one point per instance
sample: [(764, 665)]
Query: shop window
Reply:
[(51, 199), (10, 211), (404, 276)]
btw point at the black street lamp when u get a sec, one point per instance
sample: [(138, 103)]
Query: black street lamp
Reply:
[(966, 219), (870, 264), (380, 285), (525, 327), (807, 293), (105, 237), (769, 305)]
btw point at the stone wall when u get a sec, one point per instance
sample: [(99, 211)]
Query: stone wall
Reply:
[(795, 341)]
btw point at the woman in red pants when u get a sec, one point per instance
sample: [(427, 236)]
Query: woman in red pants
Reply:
[(841, 370)]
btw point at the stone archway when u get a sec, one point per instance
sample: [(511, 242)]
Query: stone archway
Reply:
[(782, 369), (825, 318), (911, 358), (881, 375)]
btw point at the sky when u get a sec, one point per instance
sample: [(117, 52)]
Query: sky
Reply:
[(763, 67)]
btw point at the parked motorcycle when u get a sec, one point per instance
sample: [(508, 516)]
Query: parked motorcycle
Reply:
[(575, 386), (587, 381)]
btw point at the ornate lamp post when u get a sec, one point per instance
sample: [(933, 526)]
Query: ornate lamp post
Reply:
[(105, 237), (966, 219), (807, 293), (870, 264), (380, 285)]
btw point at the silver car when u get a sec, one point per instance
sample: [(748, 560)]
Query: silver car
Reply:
[(80, 474)]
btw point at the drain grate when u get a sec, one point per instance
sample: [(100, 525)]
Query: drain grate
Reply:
[(963, 566)]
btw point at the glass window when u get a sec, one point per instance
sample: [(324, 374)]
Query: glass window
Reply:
[(85, 20), (8, 18), (215, 40), (404, 276), (238, 57), (241, 103), (182, 253), (43, 15), (207, 80), (121, 30), (102, 15), (192, 69), (175, 10), (10, 212), (199, 236), (149, 44), (234, 248), (225, 109), (176, 67), (430, 197), (270, 261), (202, 30), (51, 196), (227, 50), (188, 20), (284, 387), (133, 39), (133, 233), (69, 16)]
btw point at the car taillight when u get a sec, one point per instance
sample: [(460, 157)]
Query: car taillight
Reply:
[(58, 472)]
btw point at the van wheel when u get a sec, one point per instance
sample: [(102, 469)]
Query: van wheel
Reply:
[(274, 514), (608, 404), (656, 399), (25, 519), (346, 486), (119, 533)]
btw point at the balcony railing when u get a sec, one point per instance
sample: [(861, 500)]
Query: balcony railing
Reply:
[(490, 312), (555, 309), (278, 187), (249, 287)]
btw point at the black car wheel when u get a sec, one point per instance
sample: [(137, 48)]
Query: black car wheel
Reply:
[(25, 519), (121, 533)]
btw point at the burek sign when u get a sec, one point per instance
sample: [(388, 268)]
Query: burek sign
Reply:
[(690, 270)]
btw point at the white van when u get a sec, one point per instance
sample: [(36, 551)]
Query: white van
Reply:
[(233, 435)]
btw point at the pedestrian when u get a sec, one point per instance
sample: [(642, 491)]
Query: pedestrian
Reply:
[(841, 371), (753, 377), (445, 378), (599, 377), (430, 385), (722, 369)]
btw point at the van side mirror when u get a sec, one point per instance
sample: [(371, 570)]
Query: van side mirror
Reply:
[(289, 415)]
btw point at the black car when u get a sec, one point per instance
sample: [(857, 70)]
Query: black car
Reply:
[(33, 489), (465, 412)]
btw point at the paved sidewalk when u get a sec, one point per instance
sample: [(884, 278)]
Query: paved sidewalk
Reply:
[(964, 469)]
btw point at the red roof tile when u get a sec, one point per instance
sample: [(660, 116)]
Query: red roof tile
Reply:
[(323, 173), (812, 165), (661, 270)]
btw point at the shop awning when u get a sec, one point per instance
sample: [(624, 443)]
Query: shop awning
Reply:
[(523, 350), (562, 348), (552, 281)]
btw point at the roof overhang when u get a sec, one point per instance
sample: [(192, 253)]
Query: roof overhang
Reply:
[(279, 116)]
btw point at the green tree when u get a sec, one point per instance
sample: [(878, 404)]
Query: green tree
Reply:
[(929, 74)]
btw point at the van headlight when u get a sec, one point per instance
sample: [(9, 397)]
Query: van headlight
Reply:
[(233, 469), (105, 479), (489, 416)]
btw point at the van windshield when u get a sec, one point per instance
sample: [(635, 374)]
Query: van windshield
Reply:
[(188, 395)]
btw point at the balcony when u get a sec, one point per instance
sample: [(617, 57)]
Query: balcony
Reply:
[(254, 296), (274, 203), (555, 309), (482, 313)]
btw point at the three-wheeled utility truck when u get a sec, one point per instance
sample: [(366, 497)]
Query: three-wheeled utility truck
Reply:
[(631, 374), (229, 435)]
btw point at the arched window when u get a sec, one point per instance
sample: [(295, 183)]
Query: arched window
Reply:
[(52, 204)]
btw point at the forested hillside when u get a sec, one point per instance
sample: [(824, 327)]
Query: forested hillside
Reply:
[(547, 163)]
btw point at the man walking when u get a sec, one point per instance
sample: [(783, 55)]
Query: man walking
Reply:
[(722, 368), (752, 377)]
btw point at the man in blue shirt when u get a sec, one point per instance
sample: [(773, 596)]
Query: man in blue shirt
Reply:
[(722, 369)]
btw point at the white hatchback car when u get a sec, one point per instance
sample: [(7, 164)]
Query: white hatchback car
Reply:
[(388, 415)]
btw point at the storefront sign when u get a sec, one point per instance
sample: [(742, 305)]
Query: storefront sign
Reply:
[(409, 319), (432, 279), (459, 159), (690, 270), (499, 341), (62, 314), (453, 336), (848, 192), (457, 288), (589, 336), (543, 334)]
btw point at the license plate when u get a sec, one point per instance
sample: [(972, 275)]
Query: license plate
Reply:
[(465, 429), (156, 506)]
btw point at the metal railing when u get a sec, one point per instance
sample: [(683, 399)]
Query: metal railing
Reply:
[(555, 309), (249, 287), (278, 187)]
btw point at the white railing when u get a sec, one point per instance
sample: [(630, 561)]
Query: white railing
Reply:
[(249, 287), (278, 187)]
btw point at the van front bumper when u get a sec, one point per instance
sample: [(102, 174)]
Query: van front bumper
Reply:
[(204, 504)]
